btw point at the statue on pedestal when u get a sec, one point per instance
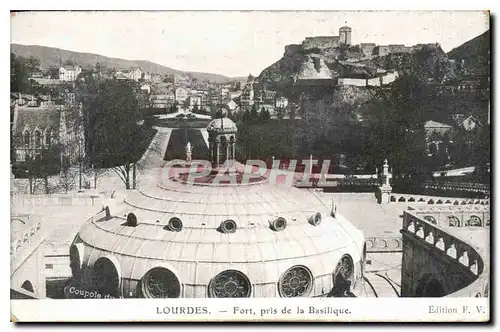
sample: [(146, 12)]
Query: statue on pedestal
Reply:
[(189, 150)]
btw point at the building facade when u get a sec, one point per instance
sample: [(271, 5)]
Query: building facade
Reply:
[(69, 73)]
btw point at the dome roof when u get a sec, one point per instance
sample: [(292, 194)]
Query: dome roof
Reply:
[(222, 125), (258, 232), (345, 28)]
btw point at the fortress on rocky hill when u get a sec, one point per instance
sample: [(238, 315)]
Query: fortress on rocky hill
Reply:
[(344, 38)]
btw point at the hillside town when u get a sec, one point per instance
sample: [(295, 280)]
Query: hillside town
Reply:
[(343, 169)]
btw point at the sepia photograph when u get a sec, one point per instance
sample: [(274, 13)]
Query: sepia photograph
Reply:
[(163, 160)]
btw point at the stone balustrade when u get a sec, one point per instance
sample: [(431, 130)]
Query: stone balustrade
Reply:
[(454, 216), (457, 186), (462, 255), (23, 239), (22, 202), (425, 199), (384, 244)]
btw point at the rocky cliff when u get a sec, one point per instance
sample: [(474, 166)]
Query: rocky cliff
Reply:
[(473, 57), (427, 61)]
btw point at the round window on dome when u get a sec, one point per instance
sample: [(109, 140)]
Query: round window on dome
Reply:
[(315, 219), (278, 224), (228, 226), (160, 282), (175, 224), (230, 283), (105, 277), (295, 282), (75, 263)]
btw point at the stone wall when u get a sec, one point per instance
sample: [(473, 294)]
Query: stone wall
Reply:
[(352, 81), (367, 48), (437, 264), (320, 42)]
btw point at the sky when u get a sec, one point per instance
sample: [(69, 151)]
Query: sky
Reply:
[(233, 43)]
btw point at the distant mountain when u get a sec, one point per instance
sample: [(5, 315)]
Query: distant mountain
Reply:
[(51, 56), (473, 56)]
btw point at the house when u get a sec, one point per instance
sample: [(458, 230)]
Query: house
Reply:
[(470, 123), (146, 88), (36, 130), (181, 94), (269, 97), (434, 127), (280, 102), (247, 96), (232, 106), (45, 101), (352, 81), (134, 74), (166, 100), (196, 99), (458, 119), (69, 73), (121, 76)]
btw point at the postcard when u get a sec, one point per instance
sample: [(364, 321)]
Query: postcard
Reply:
[(250, 166)]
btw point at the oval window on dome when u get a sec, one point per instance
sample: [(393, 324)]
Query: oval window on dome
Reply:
[(105, 277), (278, 224), (174, 224), (160, 282), (228, 226), (295, 282), (431, 219), (230, 283), (315, 219), (74, 262)]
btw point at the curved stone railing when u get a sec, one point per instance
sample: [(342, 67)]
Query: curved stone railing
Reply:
[(457, 186), (23, 243), (425, 199), (384, 244), (23, 239), (22, 202), (454, 216), (460, 252)]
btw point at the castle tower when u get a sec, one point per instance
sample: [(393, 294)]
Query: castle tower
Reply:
[(345, 35), (222, 139)]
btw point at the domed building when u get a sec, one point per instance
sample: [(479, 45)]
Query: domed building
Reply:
[(205, 238)]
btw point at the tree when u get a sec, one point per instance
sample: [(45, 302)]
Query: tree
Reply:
[(395, 128), (292, 113), (264, 115), (19, 74), (280, 112), (114, 138), (254, 114)]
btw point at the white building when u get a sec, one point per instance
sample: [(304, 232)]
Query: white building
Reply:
[(69, 73), (352, 81), (134, 75), (281, 102), (181, 94)]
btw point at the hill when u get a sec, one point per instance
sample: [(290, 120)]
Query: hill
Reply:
[(51, 56), (428, 61), (473, 56)]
